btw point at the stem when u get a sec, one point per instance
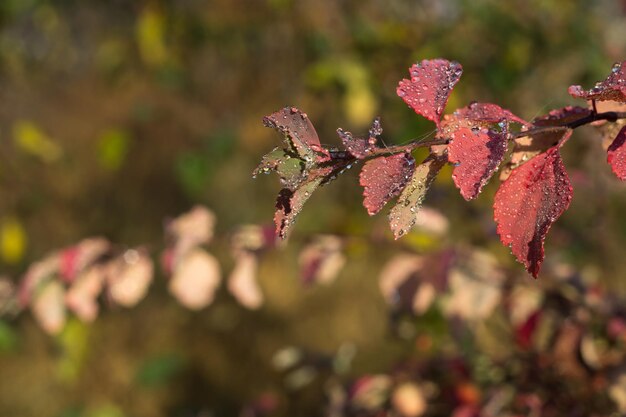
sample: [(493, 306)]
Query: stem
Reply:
[(609, 116), (390, 150), (594, 116)]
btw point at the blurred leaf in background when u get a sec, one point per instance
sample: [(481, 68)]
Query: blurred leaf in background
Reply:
[(29, 138), (13, 240), (113, 147)]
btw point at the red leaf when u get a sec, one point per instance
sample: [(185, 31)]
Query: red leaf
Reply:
[(361, 148), (487, 113), (299, 133), (525, 331), (476, 153), (527, 204), (613, 88), (616, 155), (384, 178), (430, 85), (527, 147)]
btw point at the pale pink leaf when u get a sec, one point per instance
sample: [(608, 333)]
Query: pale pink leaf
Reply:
[(195, 279), (242, 282), (48, 307), (129, 278)]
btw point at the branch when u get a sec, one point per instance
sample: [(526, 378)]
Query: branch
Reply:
[(609, 116)]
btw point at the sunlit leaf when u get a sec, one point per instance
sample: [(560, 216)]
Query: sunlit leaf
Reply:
[(429, 88), (242, 282), (476, 152), (612, 88), (129, 277), (195, 279)]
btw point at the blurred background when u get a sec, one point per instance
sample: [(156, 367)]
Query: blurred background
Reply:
[(118, 116)]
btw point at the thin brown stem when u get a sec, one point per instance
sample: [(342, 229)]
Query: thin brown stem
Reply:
[(609, 116), (594, 116)]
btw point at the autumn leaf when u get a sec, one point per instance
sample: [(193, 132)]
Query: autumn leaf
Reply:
[(487, 113), (616, 155), (612, 88), (384, 178), (403, 215), (361, 148), (429, 88), (300, 135), (195, 280), (476, 152), (528, 203), (527, 147)]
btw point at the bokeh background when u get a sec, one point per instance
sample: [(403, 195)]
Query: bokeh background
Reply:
[(116, 116)]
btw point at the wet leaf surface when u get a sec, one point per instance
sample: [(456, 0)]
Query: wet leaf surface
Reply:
[(403, 215), (476, 152), (384, 178), (528, 203), (429, 88), (612, 88), (616, 155)]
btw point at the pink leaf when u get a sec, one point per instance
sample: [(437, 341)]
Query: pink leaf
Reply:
[(384, 178), (82, 296), (299, 133), (527, 204), (242, 282), (476, 153), (129, 277), (321, 260), (195, 279), (616, 155), (49, 308), (487, 113), (612, 88), (430, 86)]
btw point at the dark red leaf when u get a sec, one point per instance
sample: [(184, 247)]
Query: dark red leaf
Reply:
[(476, 153), (299, 133), (384, 178), (487, 113), (562, 116), (289, 203), (430, 86), (403, 215), (613, 88), (525, 331), (361, 148), (527, 204), (616, 155)]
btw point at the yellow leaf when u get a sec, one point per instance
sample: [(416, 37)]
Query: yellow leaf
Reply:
[(150, 33), (12, 240), (31, 139)]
